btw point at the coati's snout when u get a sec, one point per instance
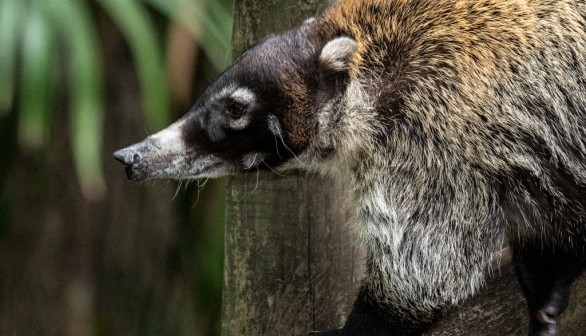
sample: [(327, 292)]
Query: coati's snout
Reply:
[(130, 157), (165, 155)]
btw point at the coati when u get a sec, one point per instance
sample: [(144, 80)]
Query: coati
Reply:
[(457, 123)]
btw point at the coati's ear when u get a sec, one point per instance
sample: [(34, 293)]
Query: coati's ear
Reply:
[(336, 55)]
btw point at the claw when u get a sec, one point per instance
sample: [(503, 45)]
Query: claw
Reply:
[(546, 324), (544, 318)]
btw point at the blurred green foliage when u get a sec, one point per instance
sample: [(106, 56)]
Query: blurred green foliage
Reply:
[(37, 37), (52, 69), (208, 20)]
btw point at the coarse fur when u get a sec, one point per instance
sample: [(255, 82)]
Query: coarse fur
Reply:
[(457, 123)]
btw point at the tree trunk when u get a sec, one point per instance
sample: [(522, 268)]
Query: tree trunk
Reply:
[(283, 231), (281, 236)]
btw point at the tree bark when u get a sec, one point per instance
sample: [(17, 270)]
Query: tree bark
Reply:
[(283, 232), (281, 238)]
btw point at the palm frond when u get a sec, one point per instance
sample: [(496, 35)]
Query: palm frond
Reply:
[(135, 24)]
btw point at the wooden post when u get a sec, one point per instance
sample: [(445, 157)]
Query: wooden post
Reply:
[(290, 260), (291, 264)]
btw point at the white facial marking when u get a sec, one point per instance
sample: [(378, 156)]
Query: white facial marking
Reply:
[(242, 95), (170, 138), (209, 166), (240, 123), (223, 93)]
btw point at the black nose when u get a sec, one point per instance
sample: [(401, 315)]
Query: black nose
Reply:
[(127, 157)]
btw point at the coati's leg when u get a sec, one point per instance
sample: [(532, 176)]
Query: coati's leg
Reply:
[(545, 276)]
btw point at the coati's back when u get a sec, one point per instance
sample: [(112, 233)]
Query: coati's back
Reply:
[(498, 84)]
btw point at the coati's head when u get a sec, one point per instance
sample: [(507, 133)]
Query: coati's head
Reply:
[(260, 113)]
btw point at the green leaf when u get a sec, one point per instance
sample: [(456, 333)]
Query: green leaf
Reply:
[(134, 22), (77, 31), (222, 19), (12, 13), (38, 56), (217, 35), (211, 26)]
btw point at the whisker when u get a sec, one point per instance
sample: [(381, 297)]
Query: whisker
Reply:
[(252, 164), (177, 189), (289, 149), (200, 185), (277, 145), (274, 171), (256, 184)]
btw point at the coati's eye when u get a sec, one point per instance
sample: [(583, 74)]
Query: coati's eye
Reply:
[(235, 109), (239, 101)]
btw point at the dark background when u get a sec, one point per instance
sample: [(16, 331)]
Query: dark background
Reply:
[(82, 250)]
